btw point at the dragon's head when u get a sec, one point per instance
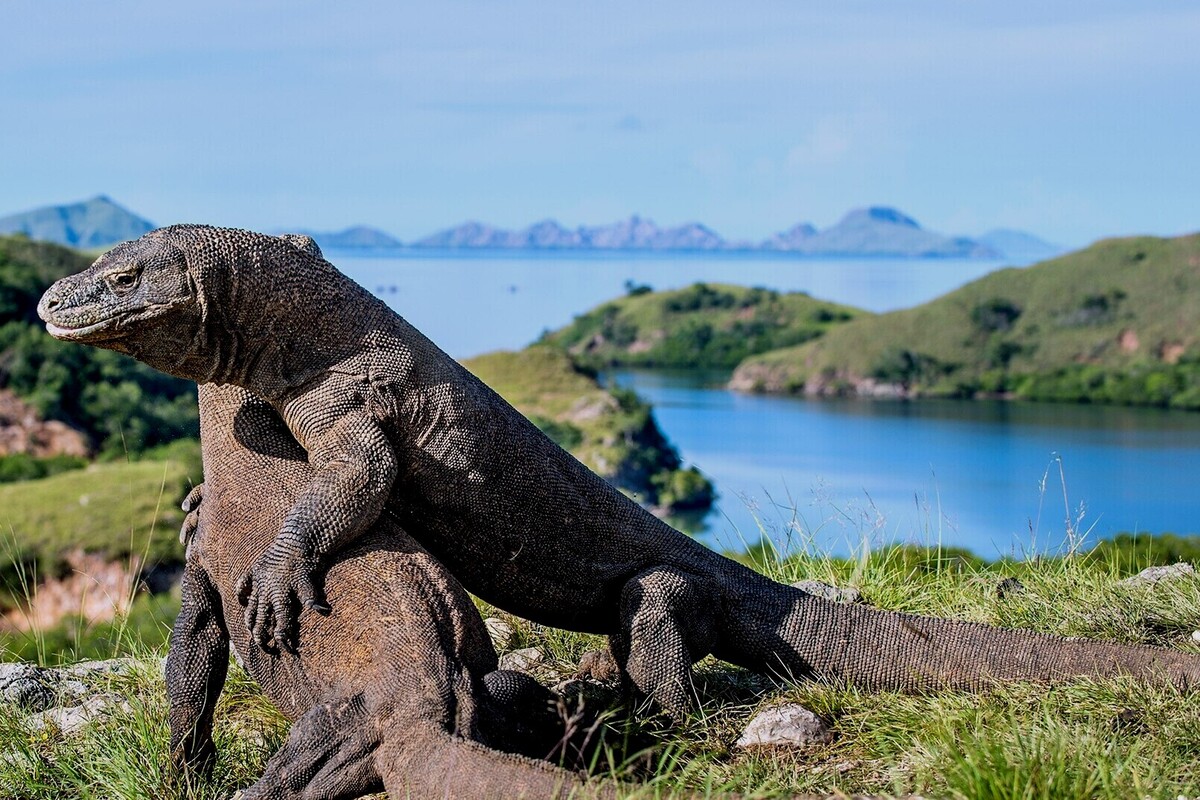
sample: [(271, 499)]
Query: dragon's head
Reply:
[(187, 299), (117, 301)]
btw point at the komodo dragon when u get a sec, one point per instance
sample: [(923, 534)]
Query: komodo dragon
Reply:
[(390, 421), (402, 692)]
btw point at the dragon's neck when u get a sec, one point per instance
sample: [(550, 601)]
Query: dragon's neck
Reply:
[(271, 330)]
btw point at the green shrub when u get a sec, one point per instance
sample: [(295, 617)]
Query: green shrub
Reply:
[(997, 314), (1130, 553), (24, 467), (683, 489)]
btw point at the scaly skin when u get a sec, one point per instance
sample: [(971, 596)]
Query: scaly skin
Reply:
[(390, 421), (402, 690)]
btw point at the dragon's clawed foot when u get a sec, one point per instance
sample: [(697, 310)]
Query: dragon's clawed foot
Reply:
[(191, 520), (280, 581)]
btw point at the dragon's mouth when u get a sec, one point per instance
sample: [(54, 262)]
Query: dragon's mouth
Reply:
[(84, 332)]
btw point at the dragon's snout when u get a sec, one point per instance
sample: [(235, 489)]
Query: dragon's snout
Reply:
[(50, 302)]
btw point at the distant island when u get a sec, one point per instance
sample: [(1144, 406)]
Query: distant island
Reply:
[(876, 231)]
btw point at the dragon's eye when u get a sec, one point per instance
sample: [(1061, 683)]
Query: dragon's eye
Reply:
[(124, 280)]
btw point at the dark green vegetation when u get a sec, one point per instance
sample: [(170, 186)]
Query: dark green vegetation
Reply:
[(24, 467), (1118, 322), (121, 405), (703, 325)]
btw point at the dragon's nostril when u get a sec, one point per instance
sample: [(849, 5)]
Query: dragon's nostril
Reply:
[(52, 302)]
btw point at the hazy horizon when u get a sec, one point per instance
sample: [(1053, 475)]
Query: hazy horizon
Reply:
[(1071, 123)]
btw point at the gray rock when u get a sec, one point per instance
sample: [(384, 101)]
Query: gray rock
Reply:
[(72, 719), (1152, 575), (578, 693), (36, 689), (524, 660), (26, 686), (829, 592), (1009, 587), (789, 725), (503, 634)]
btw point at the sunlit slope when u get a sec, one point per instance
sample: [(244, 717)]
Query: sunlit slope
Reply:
[(610, 430), (114, 510), (1116, 322)]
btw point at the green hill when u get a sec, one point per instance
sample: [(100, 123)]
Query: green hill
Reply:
[(704, 325), (1117, 322), (114, 510), (610, 430)]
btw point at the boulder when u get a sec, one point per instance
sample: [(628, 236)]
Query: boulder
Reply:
[(789, 725)]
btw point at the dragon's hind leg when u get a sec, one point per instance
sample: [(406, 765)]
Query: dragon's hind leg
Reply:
[(669, 621), (329, 754)]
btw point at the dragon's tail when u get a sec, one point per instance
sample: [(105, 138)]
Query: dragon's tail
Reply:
[(446, 766), (797, 634)]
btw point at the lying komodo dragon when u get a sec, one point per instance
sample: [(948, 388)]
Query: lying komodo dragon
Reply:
[(402, 691), (390, 421)]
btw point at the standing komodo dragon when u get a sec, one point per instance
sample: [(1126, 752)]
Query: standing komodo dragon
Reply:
[(402, 691), (390, 421)]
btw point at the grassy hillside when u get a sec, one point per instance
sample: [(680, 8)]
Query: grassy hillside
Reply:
[(704, 325), (610, 430), (114, 510), (1117, 322)]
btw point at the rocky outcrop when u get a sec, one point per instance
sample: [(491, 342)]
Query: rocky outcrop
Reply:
[(846, 594), (22, 431), (94, 589), (1169, 572), (39, 689), (781, 378)]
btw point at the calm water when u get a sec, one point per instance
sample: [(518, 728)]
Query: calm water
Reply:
[(984, 475), (988, 476)]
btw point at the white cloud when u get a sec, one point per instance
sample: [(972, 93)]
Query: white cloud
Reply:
[(836, 139), (828, 143)]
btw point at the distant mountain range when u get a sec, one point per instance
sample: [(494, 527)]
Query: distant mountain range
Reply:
[(98, 222), (1018, 244), (359, 237), (875, 231)]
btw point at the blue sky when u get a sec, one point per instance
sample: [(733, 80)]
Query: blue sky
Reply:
[(1071, 120)]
